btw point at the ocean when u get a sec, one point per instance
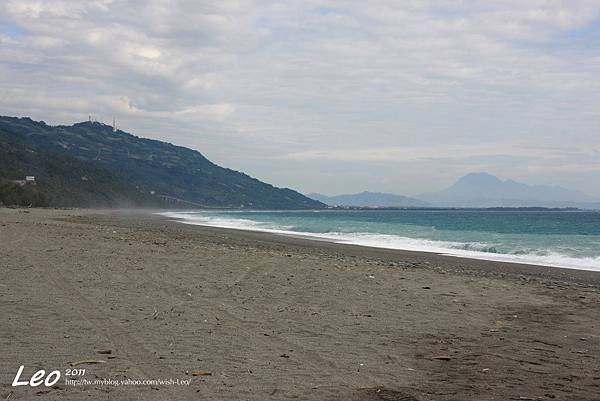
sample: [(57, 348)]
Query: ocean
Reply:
[(568, 239)]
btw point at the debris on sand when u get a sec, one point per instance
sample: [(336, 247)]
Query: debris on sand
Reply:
[(87, 361), (201, 373)]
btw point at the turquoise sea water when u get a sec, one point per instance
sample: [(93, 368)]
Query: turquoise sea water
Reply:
[(553, 238)]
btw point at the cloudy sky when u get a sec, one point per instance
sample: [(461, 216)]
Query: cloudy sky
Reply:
[(395, 96)]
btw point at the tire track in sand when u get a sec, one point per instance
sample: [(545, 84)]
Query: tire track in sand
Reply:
[(313, 360), (140, 358)]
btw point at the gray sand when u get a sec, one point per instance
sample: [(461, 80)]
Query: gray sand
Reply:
[(276, 318)]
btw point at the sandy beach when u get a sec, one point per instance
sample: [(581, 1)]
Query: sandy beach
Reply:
[(256, 316)]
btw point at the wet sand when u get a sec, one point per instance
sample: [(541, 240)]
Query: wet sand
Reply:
[(133, 295)]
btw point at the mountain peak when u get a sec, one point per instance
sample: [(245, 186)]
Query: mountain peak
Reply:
[(479, 178), (368, 199), (486, 190)]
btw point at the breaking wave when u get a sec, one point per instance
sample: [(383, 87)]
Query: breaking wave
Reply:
[(473, 250)]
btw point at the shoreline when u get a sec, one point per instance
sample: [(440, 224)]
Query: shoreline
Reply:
[(269, 317), (511, 266)]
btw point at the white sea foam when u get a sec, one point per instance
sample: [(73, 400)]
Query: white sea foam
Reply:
[(387, 241)]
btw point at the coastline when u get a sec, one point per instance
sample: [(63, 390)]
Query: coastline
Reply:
[(389, 254), (450, 246), (277, 317)]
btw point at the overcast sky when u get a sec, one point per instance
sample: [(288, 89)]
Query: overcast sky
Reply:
[(333, 97)]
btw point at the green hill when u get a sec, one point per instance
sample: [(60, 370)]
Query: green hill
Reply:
[(89, 165)]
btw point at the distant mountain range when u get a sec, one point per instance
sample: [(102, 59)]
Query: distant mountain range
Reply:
[(476, 190), (90, 164), (369, 199), (486, 190)]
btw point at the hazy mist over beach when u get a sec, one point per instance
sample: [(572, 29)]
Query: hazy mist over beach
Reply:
[(400, 97)]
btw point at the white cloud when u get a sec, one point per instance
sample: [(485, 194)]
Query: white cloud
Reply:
[(350, 81), (450, 152)]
